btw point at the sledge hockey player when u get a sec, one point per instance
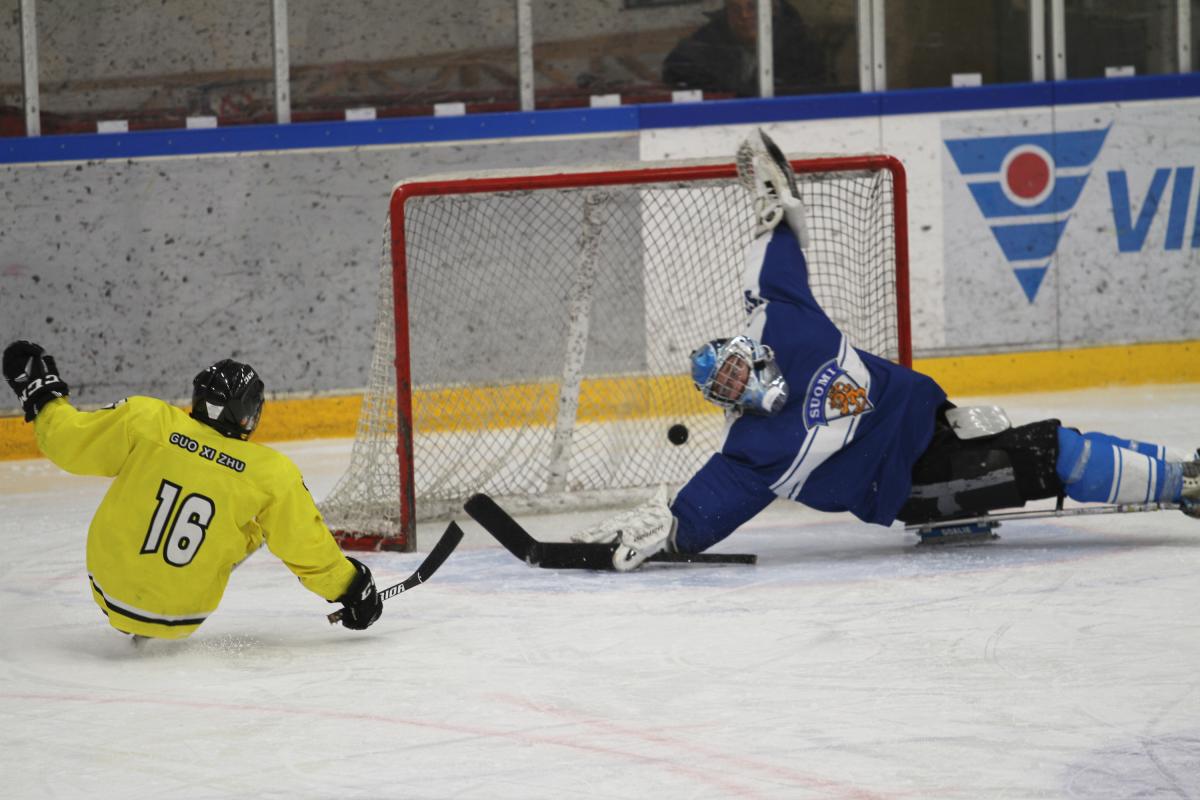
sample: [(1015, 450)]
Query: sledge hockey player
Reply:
[(812, 419), (191, 498)]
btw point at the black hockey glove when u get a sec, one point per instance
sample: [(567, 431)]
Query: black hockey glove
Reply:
[(33, 375), (361, 602)]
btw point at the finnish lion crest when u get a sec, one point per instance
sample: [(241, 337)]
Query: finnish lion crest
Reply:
[(833, 394)]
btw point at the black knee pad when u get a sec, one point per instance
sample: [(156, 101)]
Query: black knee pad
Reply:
[(957, 478)]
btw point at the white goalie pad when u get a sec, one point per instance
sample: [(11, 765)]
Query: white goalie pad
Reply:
[(974, 422)]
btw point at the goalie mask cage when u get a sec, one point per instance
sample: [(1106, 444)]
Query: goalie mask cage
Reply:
[(533, 330)]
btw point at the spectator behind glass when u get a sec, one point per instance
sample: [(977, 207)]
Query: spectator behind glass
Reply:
[(721, 55)]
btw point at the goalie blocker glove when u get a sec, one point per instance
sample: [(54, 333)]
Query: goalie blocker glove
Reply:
[(360, 602), (33, 376), (635, 535)]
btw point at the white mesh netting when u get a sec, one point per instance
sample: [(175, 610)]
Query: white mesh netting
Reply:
[(549, 331)]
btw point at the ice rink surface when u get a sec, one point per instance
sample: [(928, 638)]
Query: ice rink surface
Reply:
[(1062, 661)]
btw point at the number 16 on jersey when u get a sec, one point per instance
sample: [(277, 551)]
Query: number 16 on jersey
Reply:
[(187, 527)]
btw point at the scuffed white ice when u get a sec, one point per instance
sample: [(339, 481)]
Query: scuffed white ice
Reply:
[(1060, 661)]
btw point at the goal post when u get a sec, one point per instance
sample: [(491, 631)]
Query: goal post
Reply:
[(532, 329)]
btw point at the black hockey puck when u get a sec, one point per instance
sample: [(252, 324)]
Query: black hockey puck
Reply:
[(677, 433)]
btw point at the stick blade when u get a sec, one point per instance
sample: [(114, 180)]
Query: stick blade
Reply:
[(570, 555), (705, 558), (440, 552), (503, 528)]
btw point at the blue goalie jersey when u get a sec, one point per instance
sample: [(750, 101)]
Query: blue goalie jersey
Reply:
[(853, 426)]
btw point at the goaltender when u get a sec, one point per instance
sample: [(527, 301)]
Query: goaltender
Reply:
[(191, 498)]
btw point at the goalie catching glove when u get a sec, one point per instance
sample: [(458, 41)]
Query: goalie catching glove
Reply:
[(360, 601), (636, 534), (33, 376), (764, 171)]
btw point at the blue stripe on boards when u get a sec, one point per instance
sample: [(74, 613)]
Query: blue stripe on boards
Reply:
[(567, 122), (317, 135)]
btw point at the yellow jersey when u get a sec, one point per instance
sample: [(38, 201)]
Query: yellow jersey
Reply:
[(187, 504)]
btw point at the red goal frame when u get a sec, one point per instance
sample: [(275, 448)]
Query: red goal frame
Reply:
[(575, 179)]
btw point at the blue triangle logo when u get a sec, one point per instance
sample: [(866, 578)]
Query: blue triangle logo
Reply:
[(1026, 187), (1030, 279)]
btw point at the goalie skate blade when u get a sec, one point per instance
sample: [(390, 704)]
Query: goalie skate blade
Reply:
[(571, 555), (950, 535)]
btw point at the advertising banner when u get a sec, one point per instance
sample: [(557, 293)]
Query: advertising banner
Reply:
[(1071, 226)]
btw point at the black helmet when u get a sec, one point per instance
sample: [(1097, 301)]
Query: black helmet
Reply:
[(229, 397)]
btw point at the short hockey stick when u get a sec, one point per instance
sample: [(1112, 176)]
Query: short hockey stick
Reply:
[(440, 552), (571, 555), (1082, 511)]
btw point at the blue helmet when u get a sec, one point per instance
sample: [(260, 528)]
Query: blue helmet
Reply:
[(739, 373)]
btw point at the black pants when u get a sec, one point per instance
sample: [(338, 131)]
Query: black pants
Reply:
[(964, 478)]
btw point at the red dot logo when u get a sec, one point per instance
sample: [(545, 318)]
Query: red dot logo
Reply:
[(1027, 175)]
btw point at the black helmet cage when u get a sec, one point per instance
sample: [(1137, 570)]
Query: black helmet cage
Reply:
[(228, 396)]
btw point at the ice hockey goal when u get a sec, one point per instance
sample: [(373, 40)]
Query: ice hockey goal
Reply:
[(533, 329)]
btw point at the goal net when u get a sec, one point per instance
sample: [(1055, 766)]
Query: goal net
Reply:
[(533, 330)]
